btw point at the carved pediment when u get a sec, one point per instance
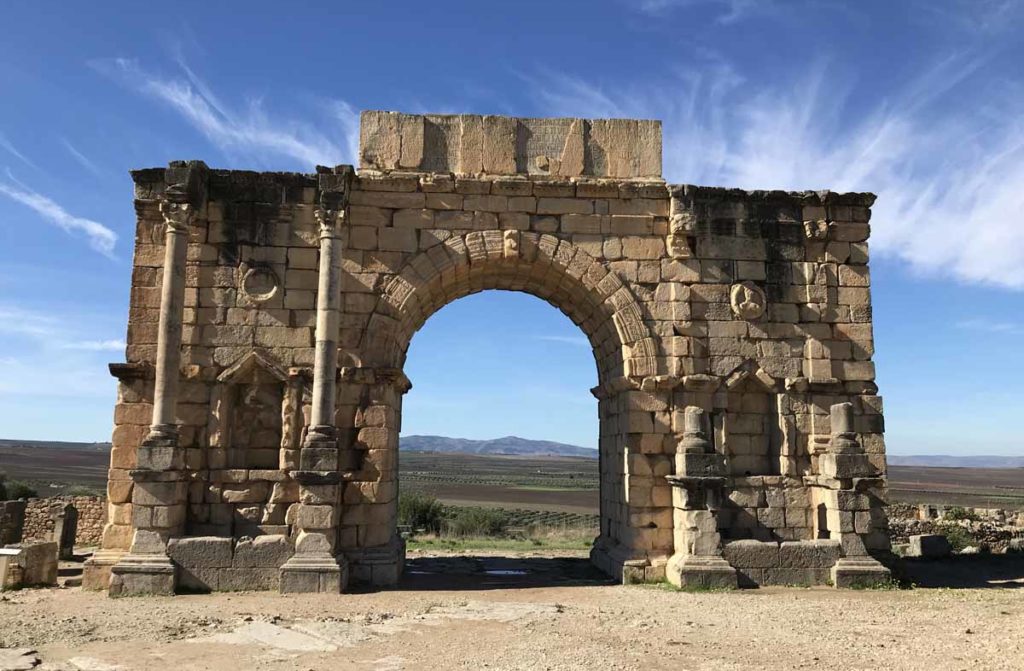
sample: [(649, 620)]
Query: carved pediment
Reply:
[(255, 366)]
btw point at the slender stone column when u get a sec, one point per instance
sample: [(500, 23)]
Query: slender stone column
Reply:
[(178, 218), (322, 431), (315, 566), (160, 482)]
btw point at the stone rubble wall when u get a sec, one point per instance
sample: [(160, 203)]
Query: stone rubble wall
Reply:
[(994, 528), (92, 516)]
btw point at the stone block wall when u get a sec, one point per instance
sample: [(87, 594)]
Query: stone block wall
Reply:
[(217, 564), (92, 517), (787, 563)]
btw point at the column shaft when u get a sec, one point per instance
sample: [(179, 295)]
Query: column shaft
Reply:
[(328, 302), (172, 303)]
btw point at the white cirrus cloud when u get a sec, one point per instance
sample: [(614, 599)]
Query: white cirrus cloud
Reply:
[(578, 341), (991, 326), (96, 345), (250, 132), (81, 158), (7, 146), (950, 178), (100, 238)]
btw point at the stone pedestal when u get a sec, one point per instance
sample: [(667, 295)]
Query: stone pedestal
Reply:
[(97, 569), (862, 571), (709, 572), (314, 574), (143, 574)]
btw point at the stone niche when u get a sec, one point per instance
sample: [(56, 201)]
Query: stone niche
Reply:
[(252, 404)]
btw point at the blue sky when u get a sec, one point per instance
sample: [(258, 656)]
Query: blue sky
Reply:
[(919, 101)]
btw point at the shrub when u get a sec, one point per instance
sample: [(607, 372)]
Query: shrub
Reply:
[(420, 512), (476, 522), (958, 537), (19, 490), (957, 513)]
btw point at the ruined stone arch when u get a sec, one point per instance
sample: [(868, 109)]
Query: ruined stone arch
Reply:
[(688, 295), (555, 270)]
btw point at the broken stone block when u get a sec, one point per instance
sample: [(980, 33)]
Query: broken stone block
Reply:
[(751, 554), (929, 546), (269, 551), (38, 563), (201, 552), (814, 554)]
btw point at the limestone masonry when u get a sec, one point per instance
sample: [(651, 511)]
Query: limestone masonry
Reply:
[(256, 427)]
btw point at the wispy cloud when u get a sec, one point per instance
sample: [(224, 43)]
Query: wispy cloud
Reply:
[(728, 11), (950, 178), (6, 145), (96, 345), (991, 326), (250, 132), (578, 341), (49, 347), (100, 238), (82, 159)]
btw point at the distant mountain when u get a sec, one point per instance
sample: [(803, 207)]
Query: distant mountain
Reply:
[(54, 444), (951, 461), (508, 445)]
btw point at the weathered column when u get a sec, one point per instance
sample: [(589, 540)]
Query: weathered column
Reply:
[(696, 497), (849, 475), (316, 566), (322, 431), (160, 481)]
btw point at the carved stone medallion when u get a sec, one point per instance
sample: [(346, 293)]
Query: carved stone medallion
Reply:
[(260, 284), (748, 300)]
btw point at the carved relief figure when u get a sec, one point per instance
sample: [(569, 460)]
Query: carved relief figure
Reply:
[(748, 300)]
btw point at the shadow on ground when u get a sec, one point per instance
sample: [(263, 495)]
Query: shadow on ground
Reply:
[(485, 573), (965, 571)]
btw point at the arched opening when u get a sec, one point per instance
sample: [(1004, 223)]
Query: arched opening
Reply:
[(501, 394), (635, 500)]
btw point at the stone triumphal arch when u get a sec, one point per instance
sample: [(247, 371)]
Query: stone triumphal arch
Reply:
[(258, 413)]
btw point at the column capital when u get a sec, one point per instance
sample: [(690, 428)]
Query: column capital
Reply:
[(177, 216), (330, 222)]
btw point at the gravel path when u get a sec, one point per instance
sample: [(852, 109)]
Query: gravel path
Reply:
[(578, 626)]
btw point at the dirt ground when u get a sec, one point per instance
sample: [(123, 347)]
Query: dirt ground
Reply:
[(526, 612)]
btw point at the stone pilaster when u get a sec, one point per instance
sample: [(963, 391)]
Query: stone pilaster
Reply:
[(316, 565), (848, 510), (160, 481), (696, 496)]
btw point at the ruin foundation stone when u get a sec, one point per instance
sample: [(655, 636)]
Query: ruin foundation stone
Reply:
[(740, 424)]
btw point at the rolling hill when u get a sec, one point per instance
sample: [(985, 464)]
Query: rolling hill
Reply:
[(509, 445)]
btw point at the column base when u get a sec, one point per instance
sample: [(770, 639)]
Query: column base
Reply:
[(378, 566), (96, 571), (143, 574), (692, 571), (314, 574), (858, 572), (619, 562)]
